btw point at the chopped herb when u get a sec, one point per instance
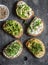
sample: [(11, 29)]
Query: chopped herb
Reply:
[(12, 27), (12, 49), (35, 47), (35, 24), (22, 10)]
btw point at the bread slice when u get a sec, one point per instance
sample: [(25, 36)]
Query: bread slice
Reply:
[(14, 28), (24, 11), (12, 49), (36, 27), (36, 47)]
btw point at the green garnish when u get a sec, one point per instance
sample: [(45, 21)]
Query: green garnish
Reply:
[(22, 10), (12, 27), (35, 47), (12, 49), (36, 22)]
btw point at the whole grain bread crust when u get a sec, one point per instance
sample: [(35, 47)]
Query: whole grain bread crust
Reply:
[(19, 52), (39, 33), (41, 54), (28, 17), (17, 36)]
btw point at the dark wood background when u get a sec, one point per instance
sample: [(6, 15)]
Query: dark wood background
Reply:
[(40, 8)]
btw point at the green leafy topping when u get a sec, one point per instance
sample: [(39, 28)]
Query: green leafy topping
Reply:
[(12, 49), (36, 22), (12, 27), (35, 47), (22, 10)]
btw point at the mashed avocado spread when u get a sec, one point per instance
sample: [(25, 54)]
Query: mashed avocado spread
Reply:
[(12, 49)]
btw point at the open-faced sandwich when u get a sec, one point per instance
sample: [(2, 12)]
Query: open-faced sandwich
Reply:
[(13, 50), (13, 27), (36, 47), (36, 27), (24, 11)]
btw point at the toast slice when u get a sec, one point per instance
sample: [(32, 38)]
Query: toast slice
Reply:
[(14, 28), (13, 50), (36, 47), (24, 11), (36, 27)]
